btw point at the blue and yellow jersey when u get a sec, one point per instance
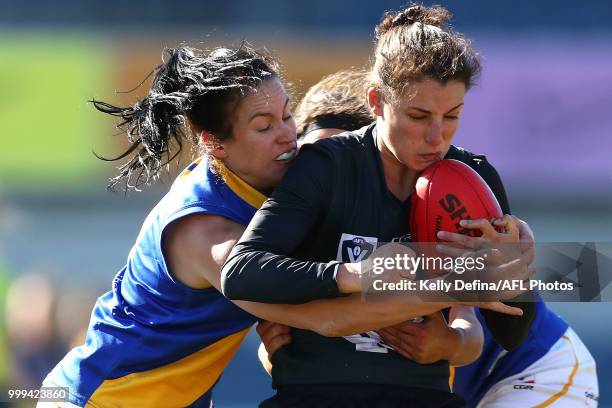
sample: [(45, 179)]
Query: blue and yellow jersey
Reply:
[(153, 341), (473, 381)]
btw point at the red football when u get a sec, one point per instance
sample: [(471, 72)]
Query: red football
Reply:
[(447, 192)]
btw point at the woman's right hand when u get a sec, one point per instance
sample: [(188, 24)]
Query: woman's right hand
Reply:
[(273, 335)]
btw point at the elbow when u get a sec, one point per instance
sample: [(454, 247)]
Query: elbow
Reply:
[(471, 345), (475, 350), (239, 282), (232, 286), (328, 328)]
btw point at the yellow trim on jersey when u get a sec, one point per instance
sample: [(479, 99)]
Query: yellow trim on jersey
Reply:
[(177, 384), (451, 378), (567, 385), (242, 189), (190, 168), (235, 183)]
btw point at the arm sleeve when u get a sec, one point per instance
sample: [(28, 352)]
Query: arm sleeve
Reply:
[(258, 268), (508, 331)]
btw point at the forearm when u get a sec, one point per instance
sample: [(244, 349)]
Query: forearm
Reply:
[(342, 316), (351, 315), (260, 276), (511, 331)]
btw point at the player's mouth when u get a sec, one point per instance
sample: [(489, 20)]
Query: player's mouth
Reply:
[(287, 156), (430, 157)]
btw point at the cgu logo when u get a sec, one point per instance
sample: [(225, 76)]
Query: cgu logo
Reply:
[(457, 211)]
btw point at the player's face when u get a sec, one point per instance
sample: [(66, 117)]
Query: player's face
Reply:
[(417, 130), (263, 141)]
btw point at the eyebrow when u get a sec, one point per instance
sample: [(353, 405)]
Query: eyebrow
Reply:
[(256, 114), (428, 112)]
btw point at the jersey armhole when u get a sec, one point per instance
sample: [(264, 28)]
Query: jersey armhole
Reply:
[(180, 214)]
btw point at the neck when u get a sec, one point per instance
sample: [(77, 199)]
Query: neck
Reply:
[(399, 178)]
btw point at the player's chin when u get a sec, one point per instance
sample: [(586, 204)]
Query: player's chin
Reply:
[(420, 165)]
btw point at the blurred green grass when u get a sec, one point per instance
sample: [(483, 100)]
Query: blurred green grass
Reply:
[(47, 128)]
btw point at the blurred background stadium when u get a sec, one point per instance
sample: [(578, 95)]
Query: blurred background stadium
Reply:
[(542, 113)]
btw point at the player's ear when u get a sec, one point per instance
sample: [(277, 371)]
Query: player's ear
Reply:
[(211, 146), (375, 101)]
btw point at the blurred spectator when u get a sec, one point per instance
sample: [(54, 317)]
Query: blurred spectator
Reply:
[(34, 346)]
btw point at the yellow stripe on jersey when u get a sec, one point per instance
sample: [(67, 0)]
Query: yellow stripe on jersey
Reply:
[(177, 384), (567, 385), (451, 378), (242, 189), (190, 168)]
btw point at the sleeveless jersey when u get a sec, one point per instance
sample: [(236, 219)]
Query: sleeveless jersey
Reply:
[(473, 381), (153, 341)]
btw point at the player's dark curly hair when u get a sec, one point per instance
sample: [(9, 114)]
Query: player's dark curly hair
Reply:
[(192, 91), (416, 44), (340, 94)]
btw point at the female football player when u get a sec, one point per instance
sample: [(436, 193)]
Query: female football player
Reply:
[(345, 195), (552, 351), (164, 333)]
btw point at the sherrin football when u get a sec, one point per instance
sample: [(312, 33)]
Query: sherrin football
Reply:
[(447, 192)]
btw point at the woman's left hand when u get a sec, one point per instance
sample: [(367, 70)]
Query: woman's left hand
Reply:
[(427, 342), (509, 249)]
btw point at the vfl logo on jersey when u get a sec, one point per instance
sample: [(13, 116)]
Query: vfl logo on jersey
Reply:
[(355, 248)]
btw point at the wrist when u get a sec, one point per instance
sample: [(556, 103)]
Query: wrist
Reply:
[(348, 278)]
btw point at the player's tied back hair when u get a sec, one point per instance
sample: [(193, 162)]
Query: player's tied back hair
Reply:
[(192, 91), (417, 44)]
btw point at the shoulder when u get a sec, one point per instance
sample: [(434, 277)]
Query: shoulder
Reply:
[(353, 140), (346, 146), (482, 166), (466, 156), (478, 162)]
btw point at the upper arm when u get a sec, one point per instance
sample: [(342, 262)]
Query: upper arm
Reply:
[(196, 246), (285, 219), (259, 267)]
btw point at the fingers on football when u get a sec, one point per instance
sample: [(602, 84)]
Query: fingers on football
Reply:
[(461, 239), (450, 249), (481, 224)]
